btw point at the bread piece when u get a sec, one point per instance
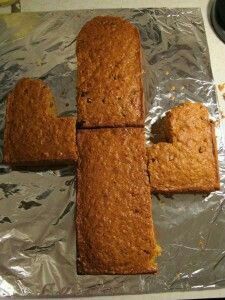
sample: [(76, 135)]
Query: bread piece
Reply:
[(34, 135), (109, 81), (184, 159), (114, 226)]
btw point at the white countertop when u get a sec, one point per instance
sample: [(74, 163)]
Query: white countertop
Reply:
[(217, 56)]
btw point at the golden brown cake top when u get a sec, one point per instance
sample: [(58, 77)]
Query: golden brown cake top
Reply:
[(185, 157), (109, 70), (114, 222), (33, 134)]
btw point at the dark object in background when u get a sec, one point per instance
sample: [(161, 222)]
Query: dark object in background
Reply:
[(218, 18)]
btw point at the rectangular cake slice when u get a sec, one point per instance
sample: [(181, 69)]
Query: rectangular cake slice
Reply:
[(115, 233), (184, 155), (109, 74), (34, 135)]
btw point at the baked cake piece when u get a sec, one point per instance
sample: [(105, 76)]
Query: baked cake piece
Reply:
[(114, 225), (109, 74), (34, 135), (184, 158)]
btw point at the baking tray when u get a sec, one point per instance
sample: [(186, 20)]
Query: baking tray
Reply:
[(37, 228)]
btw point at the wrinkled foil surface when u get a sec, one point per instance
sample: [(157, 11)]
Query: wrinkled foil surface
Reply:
[(37, 231)]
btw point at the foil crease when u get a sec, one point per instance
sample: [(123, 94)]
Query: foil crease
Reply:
[(37, 231)]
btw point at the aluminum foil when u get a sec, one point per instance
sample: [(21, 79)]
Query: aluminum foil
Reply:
[(37, 232)]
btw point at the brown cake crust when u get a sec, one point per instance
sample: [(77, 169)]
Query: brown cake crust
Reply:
[(109, 78), (184, 159), (114, 225), (34, 135)]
